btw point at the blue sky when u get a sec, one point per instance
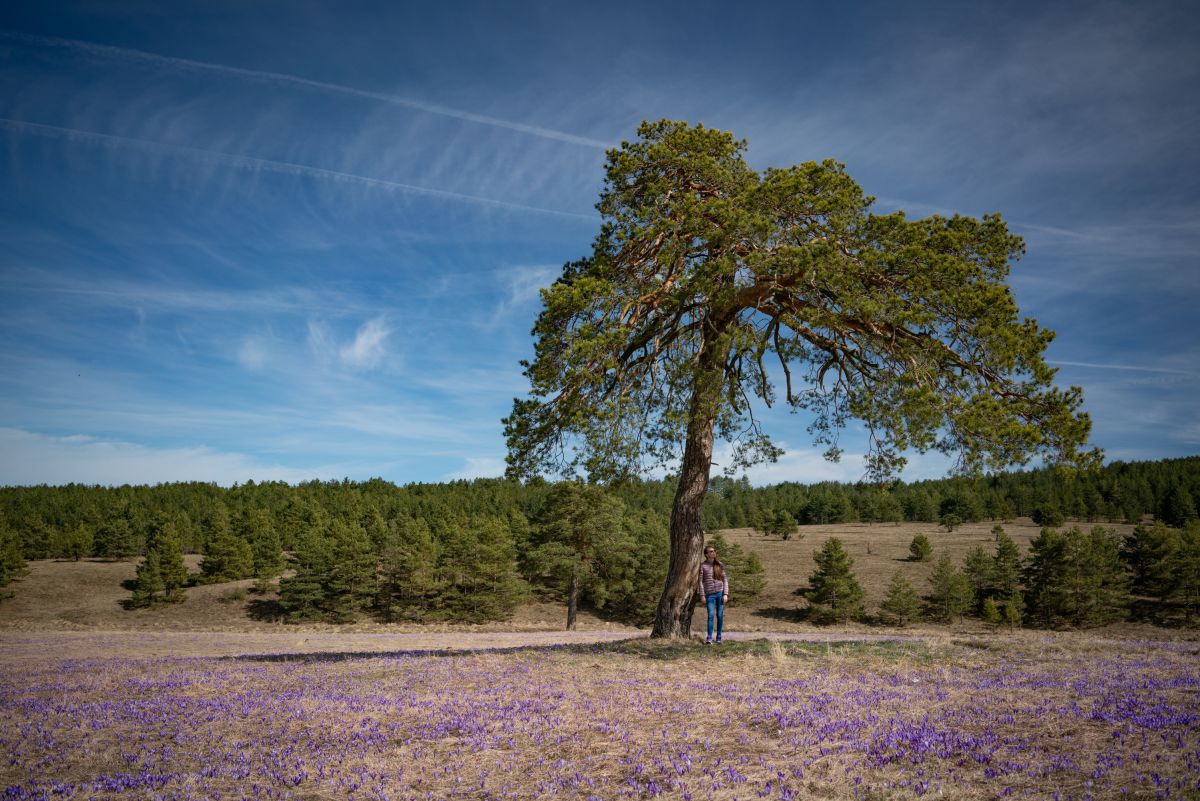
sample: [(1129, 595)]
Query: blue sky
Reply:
[(304, 240)]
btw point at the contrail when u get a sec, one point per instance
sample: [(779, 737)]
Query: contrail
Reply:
[(1120, 367), (295, 80), (269, 165)]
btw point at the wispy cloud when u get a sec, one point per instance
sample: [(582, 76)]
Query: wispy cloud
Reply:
[(518, 289), (189, 65), (268, 165), (190, 298), (38, 459), (306, 272), (1134, 367), (368, 347)]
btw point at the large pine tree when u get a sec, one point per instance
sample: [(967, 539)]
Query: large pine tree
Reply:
[(705, 270)]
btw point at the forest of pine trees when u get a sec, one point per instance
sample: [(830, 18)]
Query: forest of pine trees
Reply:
[(472, 550)]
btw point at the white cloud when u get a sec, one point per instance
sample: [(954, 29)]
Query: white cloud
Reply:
[(479, 467), (808, 466), (367, 349), (31, 458), (524, 283)]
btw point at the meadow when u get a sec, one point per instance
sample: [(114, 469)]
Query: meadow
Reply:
[(1029, 715), (205, 700)]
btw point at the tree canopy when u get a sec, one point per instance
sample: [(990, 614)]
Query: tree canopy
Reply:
[(711, 284), (712, 287)]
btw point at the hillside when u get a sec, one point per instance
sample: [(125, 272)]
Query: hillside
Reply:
[(88, 594)]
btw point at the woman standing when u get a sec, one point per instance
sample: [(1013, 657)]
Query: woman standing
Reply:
[(714, 586)]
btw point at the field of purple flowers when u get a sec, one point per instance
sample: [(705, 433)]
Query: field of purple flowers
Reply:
[(1031, 716)]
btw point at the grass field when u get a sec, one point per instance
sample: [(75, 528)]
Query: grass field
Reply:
[(202, 700)]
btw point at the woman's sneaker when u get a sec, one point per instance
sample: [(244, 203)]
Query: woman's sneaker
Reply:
[(709, 641)]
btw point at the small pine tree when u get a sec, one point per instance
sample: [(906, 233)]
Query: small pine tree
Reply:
[(580, 533), (1151, 553), (901, 604), (951, 594), (164, 539), (980, 570), (79, 542), (782, 525), (477, 567), (1006, 568), (645, 571), (990, 612), (1048, 514), (227, 558), (1179, 507), (148, 587), (833, 589), (920, 549), (71, 541), (1013, 610), (752, 580), (115, 537), (1185, 590), (162, 574)]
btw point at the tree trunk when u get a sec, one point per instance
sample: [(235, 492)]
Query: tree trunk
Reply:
[(674, 616), (572, 600)]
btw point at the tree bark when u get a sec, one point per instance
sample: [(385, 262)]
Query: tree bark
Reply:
[(674, 615), (572, 600)]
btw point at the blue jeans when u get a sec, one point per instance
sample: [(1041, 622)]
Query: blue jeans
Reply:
[(716, 609)]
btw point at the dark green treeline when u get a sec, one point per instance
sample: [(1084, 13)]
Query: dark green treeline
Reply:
[(462, 550)]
